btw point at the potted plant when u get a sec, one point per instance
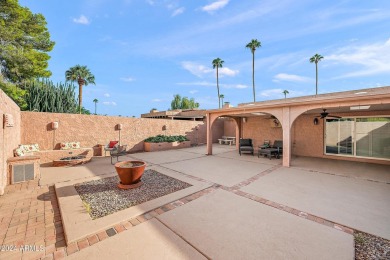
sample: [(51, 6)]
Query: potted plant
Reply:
[(130, 173)]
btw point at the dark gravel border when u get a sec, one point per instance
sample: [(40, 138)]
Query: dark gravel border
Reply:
[(103, 197), (371, 247)]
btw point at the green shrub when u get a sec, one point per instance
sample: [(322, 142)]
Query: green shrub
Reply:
[(166, 138)]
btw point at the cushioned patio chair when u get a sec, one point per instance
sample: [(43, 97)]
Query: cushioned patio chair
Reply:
[(112, 145), (246, 146)]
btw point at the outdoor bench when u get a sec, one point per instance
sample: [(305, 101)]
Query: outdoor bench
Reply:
[(48, 156)]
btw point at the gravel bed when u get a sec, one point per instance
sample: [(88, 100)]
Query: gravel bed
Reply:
[(103, 197), (371, 247)]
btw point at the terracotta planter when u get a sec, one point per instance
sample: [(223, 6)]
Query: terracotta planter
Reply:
[(130, 176)]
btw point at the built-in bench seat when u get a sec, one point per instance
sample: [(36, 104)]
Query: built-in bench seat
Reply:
[(48, 156)]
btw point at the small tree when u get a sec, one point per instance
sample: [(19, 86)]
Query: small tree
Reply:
[(285, 92), (183, 103)]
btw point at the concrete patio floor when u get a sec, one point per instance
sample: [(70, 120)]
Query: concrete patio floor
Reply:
[(254, 209)]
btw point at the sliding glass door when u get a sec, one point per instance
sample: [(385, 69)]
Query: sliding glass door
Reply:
[(373, 137), (339, 136), (362, 137)]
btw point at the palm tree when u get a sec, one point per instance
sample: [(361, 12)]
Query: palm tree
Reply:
[(83, 76), (316, 58), (285, 92), (252, 46), (222, 96), (95, 101), (217, 63)]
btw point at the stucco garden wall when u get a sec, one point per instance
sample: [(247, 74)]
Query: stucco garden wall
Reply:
[(92, 130), (9, 136)]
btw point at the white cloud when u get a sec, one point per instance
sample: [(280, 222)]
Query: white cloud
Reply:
[(215, 6), (157, 100), (178, 11), (193, 91), (289, 77), (227, 72), (196, 69), (106, 95), (372, 58), (81, 20), (240, 86), (108, 103), (200, 70), (127, 79)]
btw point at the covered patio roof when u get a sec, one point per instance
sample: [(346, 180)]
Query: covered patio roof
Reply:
[(287, 110)]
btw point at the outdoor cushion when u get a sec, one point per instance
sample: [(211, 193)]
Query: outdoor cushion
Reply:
[(26, 149), (112, 144), (70, 145)]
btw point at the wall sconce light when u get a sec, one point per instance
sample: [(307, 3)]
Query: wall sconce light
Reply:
[(119, 126), (315, 121), (8, 120), (54, 125), (244, 119), (164, 128)]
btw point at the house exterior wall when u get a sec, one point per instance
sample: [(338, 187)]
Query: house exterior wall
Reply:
[(308, 139), (9, 136), (229, 127), (260, 129)]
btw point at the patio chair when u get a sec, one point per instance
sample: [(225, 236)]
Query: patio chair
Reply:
[(112, 145), (246, 146), (278, 144), (119, 151)]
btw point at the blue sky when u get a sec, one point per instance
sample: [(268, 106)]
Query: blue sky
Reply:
[(142, 52)]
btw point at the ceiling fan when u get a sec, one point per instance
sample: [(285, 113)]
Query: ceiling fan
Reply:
[(326, 114)]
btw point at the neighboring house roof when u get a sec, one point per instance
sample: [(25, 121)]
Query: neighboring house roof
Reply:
[(187, 114)]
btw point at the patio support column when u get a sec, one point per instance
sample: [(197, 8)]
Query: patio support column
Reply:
[(238, 128), (209, 135), (286, 124)]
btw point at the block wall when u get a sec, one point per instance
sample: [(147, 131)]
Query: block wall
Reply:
[(9, 136)]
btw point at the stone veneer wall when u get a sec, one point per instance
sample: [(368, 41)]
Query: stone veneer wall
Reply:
[(91, 130), (9, 136)]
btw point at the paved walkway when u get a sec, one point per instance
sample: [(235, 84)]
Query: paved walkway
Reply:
[(254, 209)]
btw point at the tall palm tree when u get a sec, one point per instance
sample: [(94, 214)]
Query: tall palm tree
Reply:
[(217, 63), (285, 92), (95, 101), (253, 45), (222, 96), (83, 76), (316, 58)]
